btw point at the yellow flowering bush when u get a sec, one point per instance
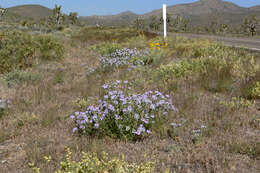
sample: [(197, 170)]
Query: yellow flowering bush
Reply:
[(158, 45), (256, 90), (91, 163), (235, 103)]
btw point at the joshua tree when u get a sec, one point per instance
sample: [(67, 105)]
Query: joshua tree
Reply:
[(168, 19), (24, 23), (223, 28), (250, 25), (58, 16), (139, 23), (2, 12), (180, 23), (73, 17), (183, 23)]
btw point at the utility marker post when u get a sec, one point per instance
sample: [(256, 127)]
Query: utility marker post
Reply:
[(164, 19)]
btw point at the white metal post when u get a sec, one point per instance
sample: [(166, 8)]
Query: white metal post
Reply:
[(164, 19)]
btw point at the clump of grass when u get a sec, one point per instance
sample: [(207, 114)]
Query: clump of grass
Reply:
[(19, 77), (235, 103), (250, 149), (109, 34), (58, 77)]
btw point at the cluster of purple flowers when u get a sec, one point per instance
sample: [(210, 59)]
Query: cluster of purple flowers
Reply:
[(123, 57), (120, 57), (125, 113)]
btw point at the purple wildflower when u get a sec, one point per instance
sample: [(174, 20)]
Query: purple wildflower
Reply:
[(75, 129)]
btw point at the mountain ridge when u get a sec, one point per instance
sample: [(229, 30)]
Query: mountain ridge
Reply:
[(199, 12)]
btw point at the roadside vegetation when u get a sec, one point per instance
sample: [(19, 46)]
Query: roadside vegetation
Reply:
[(248, 27), (120, 100)]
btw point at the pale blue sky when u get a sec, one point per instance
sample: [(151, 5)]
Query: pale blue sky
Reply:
[(106, 7)]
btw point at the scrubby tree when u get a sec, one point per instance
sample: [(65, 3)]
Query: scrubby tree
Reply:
[(73, 17), (250, 25), (2, 12)]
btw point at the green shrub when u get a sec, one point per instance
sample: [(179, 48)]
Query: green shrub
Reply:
[(256, 90), (105, 47), (58, 77), (19, 77), (235, 103), (215, 73), (249, 82), (50, 48), (17, 51), (91, 163)]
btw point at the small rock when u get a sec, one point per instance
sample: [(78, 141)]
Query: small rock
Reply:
[(4, 104), (196, 131), (202, 127), (174, 125), (4, 161)]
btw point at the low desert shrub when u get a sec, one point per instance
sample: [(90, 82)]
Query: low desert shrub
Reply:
[(235, 103)]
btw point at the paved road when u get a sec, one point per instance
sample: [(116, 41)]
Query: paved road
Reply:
[(249, 43)]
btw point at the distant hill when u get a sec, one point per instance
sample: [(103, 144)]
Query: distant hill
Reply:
[(119, 19), (201, 12), (30, 11), (204, 11), (255, 8), (201, 7)]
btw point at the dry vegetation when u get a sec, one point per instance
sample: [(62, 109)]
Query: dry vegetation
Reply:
[(214, 88)]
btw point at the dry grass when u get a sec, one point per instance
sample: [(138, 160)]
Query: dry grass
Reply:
[(37, 125)]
